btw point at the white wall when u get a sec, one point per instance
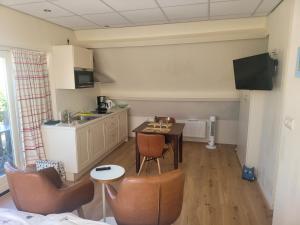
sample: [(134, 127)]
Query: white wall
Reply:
[(176, 71), (268, 123), (287, 195), (226, 112), (24, 31)]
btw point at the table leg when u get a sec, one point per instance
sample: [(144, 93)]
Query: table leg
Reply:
[(176, 148), (180, 147), (103, 201), (137, 155)]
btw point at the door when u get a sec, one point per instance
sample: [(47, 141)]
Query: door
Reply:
[(9, 140)]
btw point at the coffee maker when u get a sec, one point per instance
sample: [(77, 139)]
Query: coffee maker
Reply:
[(101, 104)]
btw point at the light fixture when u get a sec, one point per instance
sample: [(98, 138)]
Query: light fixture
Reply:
[(47, 10)]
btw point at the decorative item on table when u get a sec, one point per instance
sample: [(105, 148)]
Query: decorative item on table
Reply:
[(57, 165), (248, 173), (159, 125), (156, 130)]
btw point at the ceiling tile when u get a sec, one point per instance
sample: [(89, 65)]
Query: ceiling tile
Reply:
[(126, 5), (166, 3), (267, 6), (73, 22), (187, 12), (83, 6), (241, 7), (37, 9), (108, 19), (15, 2), (233, 16), (145, 16)]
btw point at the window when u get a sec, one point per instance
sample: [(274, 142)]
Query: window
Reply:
[(8, 126)]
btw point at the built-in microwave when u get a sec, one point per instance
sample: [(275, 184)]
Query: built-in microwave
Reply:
[(83, 78)]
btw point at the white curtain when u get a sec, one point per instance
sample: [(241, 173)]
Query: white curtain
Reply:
[(33, 100)]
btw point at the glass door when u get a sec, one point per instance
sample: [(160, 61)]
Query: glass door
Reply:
[(8, 134)]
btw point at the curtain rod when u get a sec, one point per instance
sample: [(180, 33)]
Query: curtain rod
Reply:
[(8, 47)]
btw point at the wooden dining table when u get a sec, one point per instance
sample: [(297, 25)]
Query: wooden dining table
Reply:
[(175, 135)]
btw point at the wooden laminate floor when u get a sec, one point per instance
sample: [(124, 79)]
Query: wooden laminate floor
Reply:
[(214, 192)]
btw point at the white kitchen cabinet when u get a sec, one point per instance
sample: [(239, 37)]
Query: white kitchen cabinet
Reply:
[(64, 59), (83, 143), (112, 132), (123, 125), (97, 142), (82, 146), (83, 58)]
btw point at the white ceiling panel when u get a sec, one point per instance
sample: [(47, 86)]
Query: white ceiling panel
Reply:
[(15, 2), (267, 6), (224, 17), (85, 14), (166, 3), (186, 12), (75, 22), (108, 19), (241, 7), (145, 16), (83, 6), (126, 5), (37, 9)]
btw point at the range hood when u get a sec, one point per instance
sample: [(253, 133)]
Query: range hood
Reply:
[(102, 78)]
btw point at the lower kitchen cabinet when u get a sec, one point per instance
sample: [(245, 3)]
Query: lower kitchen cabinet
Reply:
[(80, 147)]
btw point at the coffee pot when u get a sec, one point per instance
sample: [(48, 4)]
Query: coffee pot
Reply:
[(102, 104)]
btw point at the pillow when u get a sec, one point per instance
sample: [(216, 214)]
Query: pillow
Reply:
[(57, 165)]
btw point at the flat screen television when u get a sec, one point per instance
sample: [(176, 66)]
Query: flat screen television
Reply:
[(255, 72)]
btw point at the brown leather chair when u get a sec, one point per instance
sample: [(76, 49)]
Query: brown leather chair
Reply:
[(166, 119), (155, 200), (151, 147), (43, 192)]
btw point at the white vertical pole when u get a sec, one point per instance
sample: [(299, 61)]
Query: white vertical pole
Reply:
[(103, 201)]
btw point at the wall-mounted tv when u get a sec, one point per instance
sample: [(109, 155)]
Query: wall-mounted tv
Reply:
[(255, 72)]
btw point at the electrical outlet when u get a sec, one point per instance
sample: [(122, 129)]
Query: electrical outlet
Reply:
[(289, 123)]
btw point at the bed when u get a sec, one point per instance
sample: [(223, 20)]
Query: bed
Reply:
[(14, 217)]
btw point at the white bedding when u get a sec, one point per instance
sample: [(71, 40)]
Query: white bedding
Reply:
[(13, 217)]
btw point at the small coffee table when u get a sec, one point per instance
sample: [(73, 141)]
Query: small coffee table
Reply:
[(105, 177)]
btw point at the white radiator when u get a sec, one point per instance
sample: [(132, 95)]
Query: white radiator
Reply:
[(194, 128)]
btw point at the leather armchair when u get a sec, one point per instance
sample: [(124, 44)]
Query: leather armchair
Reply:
[(153, 200), (43, 192)]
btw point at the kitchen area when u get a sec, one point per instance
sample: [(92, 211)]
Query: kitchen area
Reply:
[(81, 136)]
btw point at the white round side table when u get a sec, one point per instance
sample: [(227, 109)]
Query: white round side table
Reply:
[(105, 177)]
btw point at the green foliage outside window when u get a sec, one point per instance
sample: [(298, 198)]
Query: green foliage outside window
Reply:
[(3, 106)]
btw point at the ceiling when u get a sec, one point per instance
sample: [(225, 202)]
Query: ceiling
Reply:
[(92, 14)]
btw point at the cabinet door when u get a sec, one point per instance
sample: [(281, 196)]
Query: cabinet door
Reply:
[(83, 58), (97, 147), (111, 132), (82, 137), (123, 126)]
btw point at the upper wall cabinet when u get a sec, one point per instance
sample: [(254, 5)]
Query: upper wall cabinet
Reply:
[(65, 59)]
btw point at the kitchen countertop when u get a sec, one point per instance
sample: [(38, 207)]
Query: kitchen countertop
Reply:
[(76, 125)]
